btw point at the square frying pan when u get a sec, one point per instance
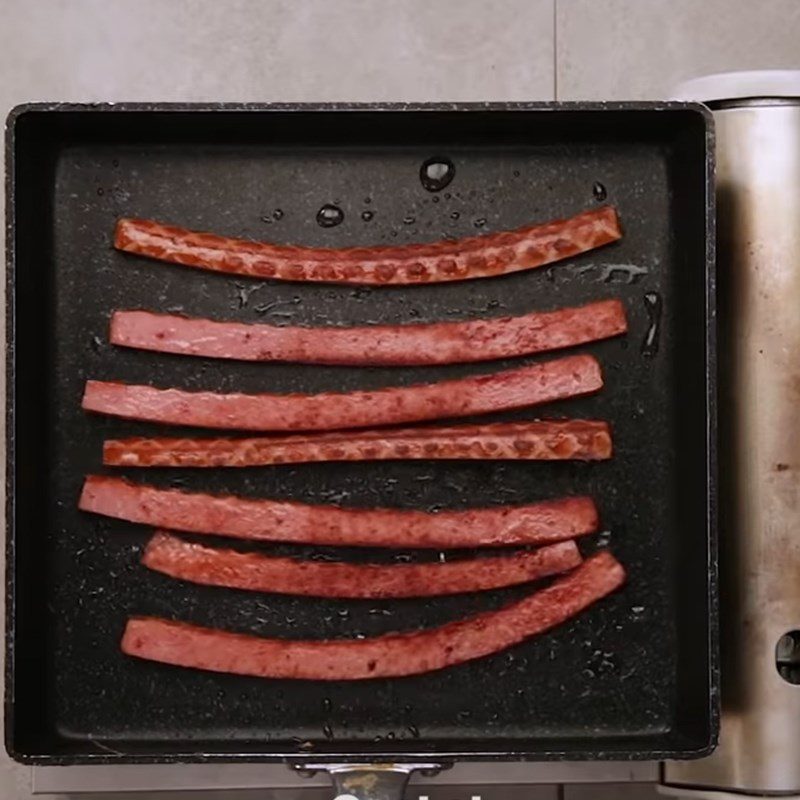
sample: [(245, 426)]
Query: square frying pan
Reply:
[(634, 677)]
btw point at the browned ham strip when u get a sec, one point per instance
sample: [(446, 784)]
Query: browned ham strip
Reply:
[(262, 573), (474, 257), (374, 345), (481, 394), (577, 439), (288, 521), (392, 655)]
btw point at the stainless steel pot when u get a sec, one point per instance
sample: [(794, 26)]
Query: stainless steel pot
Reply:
[(758, 201)]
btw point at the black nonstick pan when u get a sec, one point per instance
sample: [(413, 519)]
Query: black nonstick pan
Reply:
[(633, 677)]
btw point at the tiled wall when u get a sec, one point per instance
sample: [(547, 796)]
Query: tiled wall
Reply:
[(639, 49), (377, 50), (382, 49)]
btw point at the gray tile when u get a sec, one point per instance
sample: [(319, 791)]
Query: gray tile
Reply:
[(226, 794), (612, 791), (458, 781), (276, 50), (639, 49), (412, 793), (15, 780)]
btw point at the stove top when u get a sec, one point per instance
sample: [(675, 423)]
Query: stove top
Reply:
[(488, 781)]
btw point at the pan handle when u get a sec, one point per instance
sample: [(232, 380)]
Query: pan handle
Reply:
[(370, 781)]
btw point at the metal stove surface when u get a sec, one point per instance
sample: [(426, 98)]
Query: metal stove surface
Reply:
[(465, 781)]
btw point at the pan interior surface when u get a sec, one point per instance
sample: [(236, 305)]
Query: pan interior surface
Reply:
[(633, 677)]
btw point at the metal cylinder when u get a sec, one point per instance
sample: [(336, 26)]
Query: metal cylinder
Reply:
[(758, 194)]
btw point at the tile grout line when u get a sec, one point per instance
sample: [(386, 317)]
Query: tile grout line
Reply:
[(555, 49)]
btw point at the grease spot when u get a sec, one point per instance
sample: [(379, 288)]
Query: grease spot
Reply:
[(654, 306), (436, 173), (329, 216)]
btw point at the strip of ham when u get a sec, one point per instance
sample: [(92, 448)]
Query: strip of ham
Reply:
[(393, 655), (475, 257), (374, 345), (256, 572), (554, 440), (287, 521), (480, 394)]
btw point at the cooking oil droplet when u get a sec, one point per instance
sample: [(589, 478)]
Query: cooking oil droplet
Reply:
[(599, 192), (413, 730), (480, 222), (266, 219), (516, 173), (327, 705), (435, 198), (447, 195), (367, 215), (455, 215), (603, 539), (367, 200), (550, 275), (329, 216), (436, 173), (277, 214), (409, 220), (100, 191), (394, 233), (653, 304), (328, 731)]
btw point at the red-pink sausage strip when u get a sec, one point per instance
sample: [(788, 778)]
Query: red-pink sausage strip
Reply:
[(475, 257), (375, 345), (388, 656), (260, 573), (556, 440), (287, 521), (481, 394)]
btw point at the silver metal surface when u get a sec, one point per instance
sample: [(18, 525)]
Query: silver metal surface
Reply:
[(758, 192), (459, 781), (370, 781), (695, 793)]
